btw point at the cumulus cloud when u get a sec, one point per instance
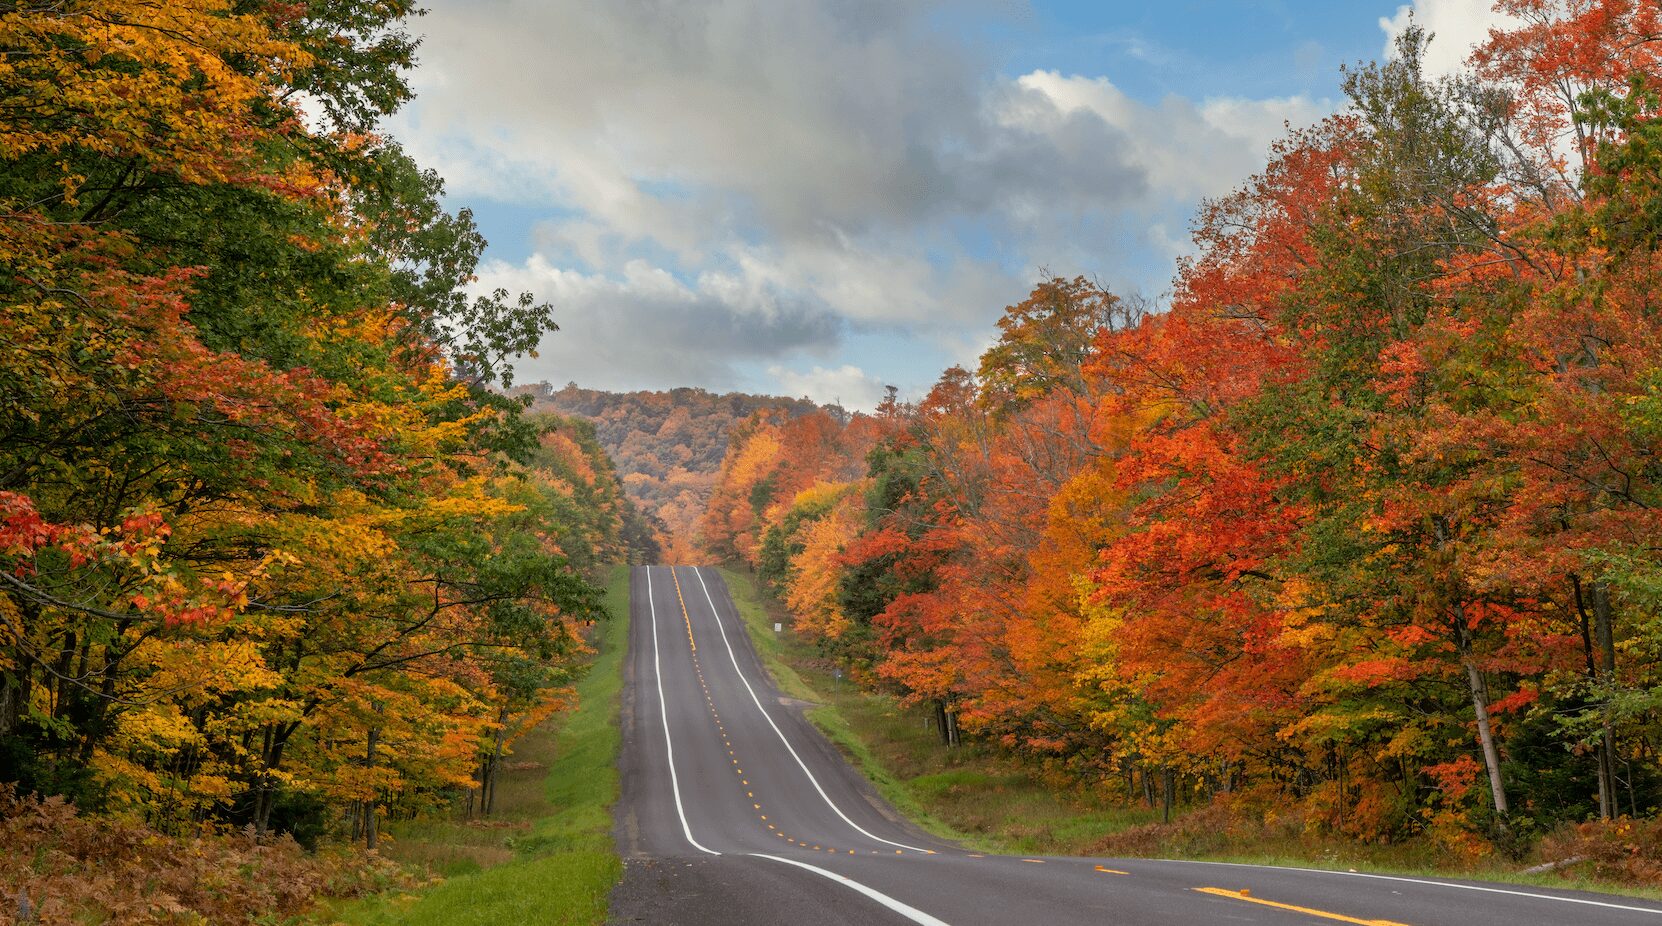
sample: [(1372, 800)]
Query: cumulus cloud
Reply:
[(1184, 149), (1458, 26), (746, 181), (847, 385), (644, 328)]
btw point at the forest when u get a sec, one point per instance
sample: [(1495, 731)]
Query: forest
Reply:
[(1359, 528), (274, 556), (1362, 528), (668, 446)]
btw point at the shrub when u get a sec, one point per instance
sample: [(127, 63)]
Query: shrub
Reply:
[(1622, 850), (65, 868)]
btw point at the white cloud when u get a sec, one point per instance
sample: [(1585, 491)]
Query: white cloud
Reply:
[(1186, 149), (1458, 26), (642, 327), (746, 181), (847, 385)]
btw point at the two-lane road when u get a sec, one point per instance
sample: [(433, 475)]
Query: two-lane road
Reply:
[(737, 812)]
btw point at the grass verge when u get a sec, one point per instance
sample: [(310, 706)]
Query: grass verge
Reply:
[(986, 801), (969, 795), (547, 856)]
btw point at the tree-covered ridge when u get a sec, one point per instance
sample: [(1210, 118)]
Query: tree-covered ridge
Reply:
[(271, 553), (1363, 528), (668, 445)]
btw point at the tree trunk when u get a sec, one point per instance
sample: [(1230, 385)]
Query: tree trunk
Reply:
[(372, 835), (17, 683), (66, 665), (487, 801), (262, 785), (276, 738), (1607, 784), (1605, 630), (1168, 792), (1339, 804), (14, 693), (1480, 706)]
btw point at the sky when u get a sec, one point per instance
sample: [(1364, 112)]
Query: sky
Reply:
[(823, 197)]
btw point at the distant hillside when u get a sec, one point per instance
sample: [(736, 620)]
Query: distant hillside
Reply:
[(667, 446)]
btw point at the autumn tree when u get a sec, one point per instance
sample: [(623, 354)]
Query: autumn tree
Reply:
[(273, 553)]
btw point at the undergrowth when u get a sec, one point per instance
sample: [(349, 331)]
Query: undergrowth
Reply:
[(547, 856), (987, 800), (58, 866)]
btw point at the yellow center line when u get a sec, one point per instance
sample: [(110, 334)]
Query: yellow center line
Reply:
[(1111, 871), (1035, 861), (1307, 911), (687, 618), (684, 615)]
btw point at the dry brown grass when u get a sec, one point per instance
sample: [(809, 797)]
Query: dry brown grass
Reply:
[(59, 867), (1624, 851)]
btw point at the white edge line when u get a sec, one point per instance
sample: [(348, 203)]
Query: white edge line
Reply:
[(663, 710), (814, 781), (1464, 887), (910, 912)]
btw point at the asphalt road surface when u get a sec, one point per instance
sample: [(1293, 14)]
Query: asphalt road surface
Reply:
[(737, 812)]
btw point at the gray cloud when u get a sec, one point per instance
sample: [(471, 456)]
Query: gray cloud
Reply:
[(812, 120), (645, 329), (749, 179)]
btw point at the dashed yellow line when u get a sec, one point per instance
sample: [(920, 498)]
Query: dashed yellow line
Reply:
[(709, 700), (1111, 871), (1307, 911), (684, 615)]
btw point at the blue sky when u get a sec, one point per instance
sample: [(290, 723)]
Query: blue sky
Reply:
[(824, 196), (1199, 48)]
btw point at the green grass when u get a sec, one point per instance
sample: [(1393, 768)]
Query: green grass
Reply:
[(970, 795), (778, 651), (547, 857), (984, 800)]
